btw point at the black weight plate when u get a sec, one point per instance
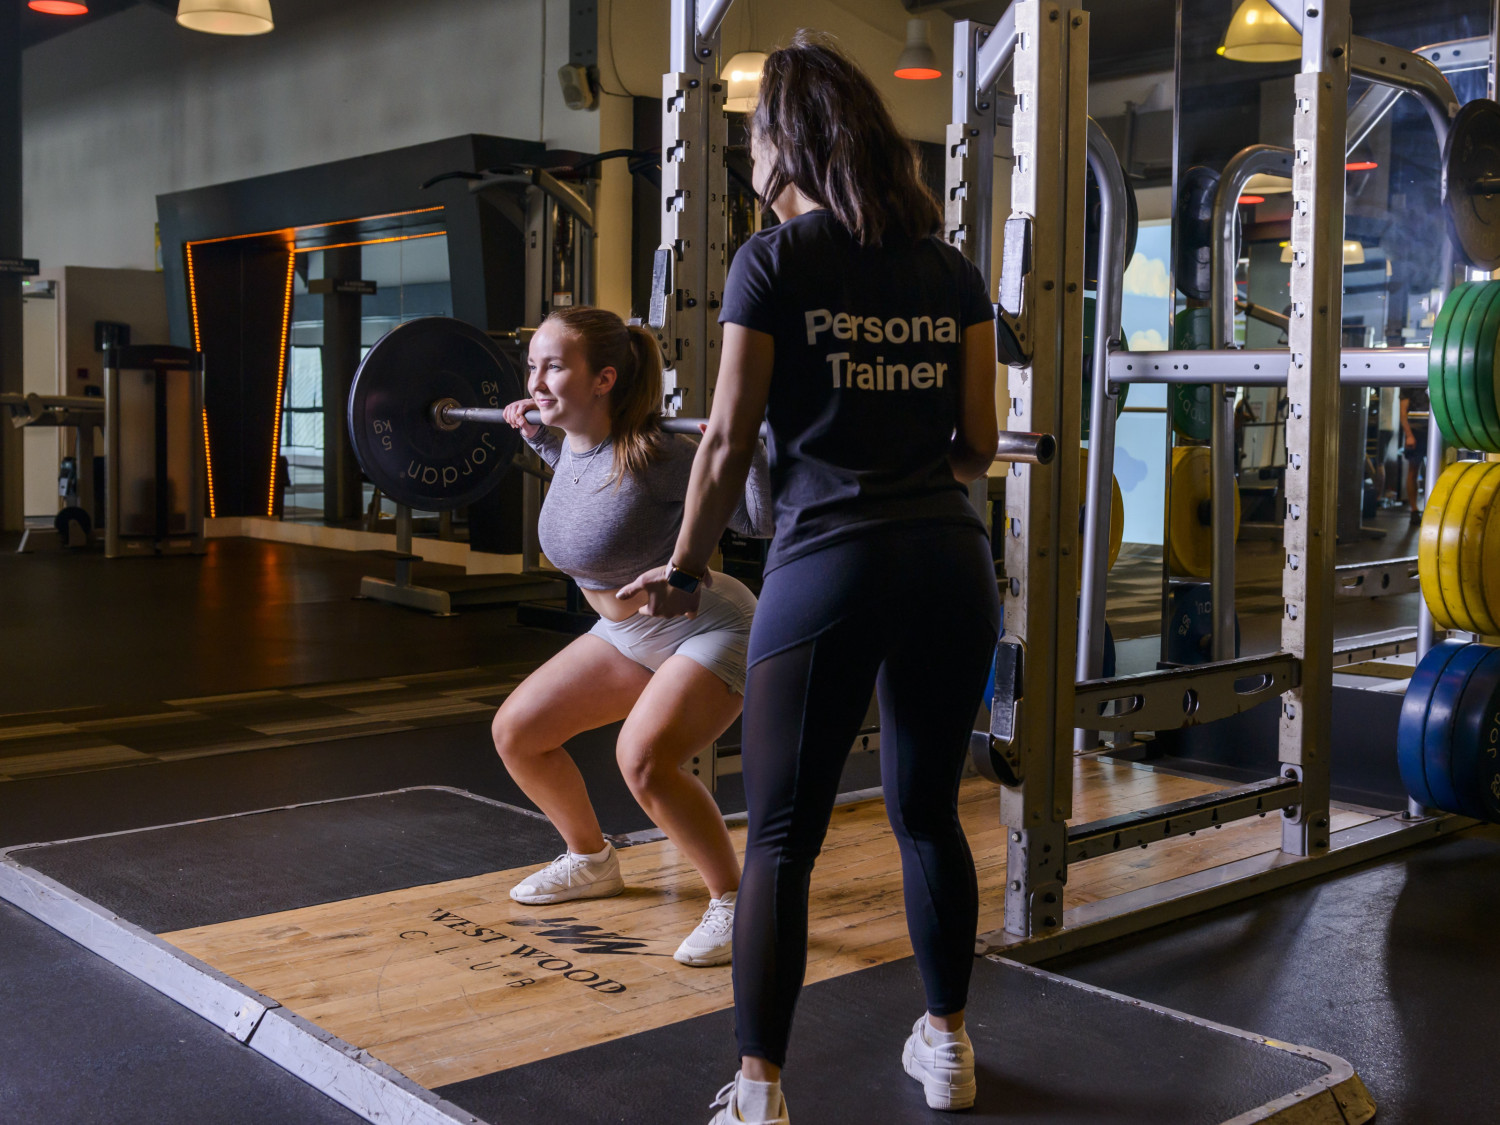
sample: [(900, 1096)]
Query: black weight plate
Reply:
[(1476, 742), (1412, 724), (1194, 223), (1471, 155), (1442, 718), (1092, 205), (397, 445)]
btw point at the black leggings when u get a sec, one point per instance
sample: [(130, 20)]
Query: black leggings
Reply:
[(914, 613)]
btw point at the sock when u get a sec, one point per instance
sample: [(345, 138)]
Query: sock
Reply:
[(938, 1038), (758, 1101), (597, 857)]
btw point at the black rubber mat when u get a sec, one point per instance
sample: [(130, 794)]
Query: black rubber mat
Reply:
[(83, 1041), (210, 871), (1048, 1052)]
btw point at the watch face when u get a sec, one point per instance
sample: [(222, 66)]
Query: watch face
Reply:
[(681, 579)]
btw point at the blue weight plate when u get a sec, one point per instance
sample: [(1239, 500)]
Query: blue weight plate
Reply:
[(1412, 724), (1475, 762), (1442, 717)]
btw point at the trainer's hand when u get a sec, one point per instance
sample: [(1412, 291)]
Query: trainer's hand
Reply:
[(663, 599), (515, 416)]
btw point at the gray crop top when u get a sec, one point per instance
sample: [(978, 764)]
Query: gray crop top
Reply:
[(603, 537)]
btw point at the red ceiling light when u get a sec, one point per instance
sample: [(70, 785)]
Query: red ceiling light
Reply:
[(1361, 166), (1249, 200), (59, 7)]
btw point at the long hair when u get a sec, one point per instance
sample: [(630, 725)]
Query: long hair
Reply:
[(635, 399), (836, 141)]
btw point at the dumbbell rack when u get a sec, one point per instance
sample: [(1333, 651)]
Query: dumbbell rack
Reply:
[(1037, 702)]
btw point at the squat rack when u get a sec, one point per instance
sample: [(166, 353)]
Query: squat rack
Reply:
[(1037, 699)]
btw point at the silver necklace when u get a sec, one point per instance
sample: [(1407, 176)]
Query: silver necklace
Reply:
[(590, 460)]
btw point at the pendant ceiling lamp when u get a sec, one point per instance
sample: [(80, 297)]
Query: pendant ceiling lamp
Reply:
[(59, 7), (742, 81), (226, 17), (917, 60), (1258, 33)]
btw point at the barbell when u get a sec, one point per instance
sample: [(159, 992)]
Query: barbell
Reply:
[(427, 422)]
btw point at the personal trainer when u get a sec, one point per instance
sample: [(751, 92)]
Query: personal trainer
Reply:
[(614, 507), (867, 344)]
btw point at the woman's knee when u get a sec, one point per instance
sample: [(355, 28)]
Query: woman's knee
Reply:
[(510, 734), (641, 765)]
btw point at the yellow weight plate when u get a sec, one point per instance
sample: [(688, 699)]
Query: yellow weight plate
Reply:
[(1472, 562), (1116, 520), (1450, 537), (1116, 515), (1190, 536), (1427, 545), (1489, 550)]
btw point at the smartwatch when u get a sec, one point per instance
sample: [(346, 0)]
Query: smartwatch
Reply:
[(681, 579)]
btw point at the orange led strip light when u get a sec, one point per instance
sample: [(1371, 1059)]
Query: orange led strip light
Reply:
[(313, 226), (208, 457), (368, 242), (286, 326)]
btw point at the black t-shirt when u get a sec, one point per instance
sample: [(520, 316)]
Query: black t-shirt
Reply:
[(866, 382), (1417, 402)]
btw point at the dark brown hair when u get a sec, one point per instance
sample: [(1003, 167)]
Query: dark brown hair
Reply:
[(835, 140), (635, 399)]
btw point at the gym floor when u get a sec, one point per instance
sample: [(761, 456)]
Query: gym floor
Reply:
[(1385, 965)]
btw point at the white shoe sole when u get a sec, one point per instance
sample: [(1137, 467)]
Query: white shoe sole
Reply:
[(704, 960), (941, 1093), (604, 888)]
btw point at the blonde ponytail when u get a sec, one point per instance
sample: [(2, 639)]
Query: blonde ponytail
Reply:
[(635, 399)]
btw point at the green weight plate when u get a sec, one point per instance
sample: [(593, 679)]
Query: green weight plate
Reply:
[(1462, 380), (1445, 334), (1455, 428), (1450, 539), (1472, 560), (1483, 384)]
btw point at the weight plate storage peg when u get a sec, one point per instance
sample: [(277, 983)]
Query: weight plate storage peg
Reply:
[(402, 446), (1471, 183)]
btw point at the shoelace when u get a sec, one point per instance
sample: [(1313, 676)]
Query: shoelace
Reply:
[(718, 918), (723, 1098), (564, 864)]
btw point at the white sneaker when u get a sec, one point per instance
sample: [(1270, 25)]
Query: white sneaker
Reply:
[(709, 943), (571, 876), (946, 1070), (730, 1113)]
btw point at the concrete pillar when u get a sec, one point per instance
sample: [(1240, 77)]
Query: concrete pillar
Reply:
[(12, 375), (342, 497)]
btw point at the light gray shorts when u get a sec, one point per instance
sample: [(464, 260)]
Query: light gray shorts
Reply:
[(717, 638)]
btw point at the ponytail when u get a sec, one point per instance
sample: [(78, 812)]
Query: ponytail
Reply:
[(635, 399)]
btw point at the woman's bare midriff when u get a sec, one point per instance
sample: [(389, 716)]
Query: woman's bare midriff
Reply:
[(611, 608)]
